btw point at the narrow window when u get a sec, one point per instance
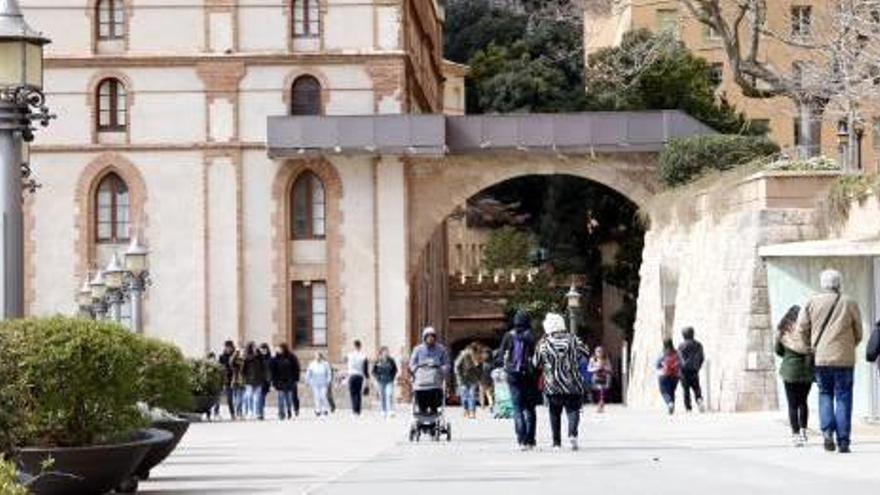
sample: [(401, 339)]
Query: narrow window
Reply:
[(111, 19), (306, 18), (305, 96), (112, 108), (308, 208), (801, 21), (112, 210), (310, 314)]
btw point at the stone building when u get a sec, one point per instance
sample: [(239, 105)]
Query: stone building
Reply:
[(778, 113)]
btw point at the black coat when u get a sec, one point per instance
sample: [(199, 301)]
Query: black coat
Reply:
[(690, 352), (385, 370), (285, 371), (225, 360), (255, 371)]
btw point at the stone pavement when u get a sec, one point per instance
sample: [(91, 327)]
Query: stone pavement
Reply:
[(623, 452)]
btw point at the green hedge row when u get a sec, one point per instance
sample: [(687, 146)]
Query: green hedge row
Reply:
[(685, 159)]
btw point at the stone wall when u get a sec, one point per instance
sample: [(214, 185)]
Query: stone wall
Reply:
[(701, 268)]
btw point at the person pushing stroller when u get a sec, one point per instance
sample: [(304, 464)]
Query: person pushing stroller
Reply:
[(429, 367)]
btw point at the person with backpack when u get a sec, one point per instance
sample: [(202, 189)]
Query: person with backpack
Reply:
[(517, 351), (797, 373), (557, 359), (833, 323), (690, 354), (668, 373)]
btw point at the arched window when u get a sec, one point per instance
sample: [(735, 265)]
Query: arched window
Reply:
[(307, 208), (111, 19), (112, 210), (306, 18), (112, 109), (305, 96)]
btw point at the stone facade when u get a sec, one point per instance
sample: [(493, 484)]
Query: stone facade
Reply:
[(780, 113), (701, 268)]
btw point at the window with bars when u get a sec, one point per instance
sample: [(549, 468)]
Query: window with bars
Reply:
[(112, 210), (305, 96), (308, 208), (801, 21), (306, 18), (111, 19), (310, 314), (112, 109)]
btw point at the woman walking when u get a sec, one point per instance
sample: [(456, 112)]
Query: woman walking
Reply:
[(285, 376), (668, 373), (254, 375), (236, 381), (318, 377), (797, 373), (557, 357), (468, 374), (384, 372), (600, 370)]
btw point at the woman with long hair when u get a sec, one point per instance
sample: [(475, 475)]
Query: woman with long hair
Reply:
[(668, 374), (385, 372), (796, 370)]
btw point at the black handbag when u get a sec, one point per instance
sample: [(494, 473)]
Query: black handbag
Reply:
[(872, 352)]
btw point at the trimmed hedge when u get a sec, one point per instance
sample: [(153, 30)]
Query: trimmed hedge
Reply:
[(81, 377), (685, 159), (164, 376)]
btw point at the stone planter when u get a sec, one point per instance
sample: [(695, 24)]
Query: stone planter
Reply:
[(89, 470), (160, 451)]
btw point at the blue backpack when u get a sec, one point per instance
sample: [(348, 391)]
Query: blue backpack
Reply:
[(517, 360)]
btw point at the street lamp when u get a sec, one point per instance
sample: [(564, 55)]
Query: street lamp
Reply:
[(21, 103), (137, 267), (114, 279), (84, 299), (574, 302), (99, 290)]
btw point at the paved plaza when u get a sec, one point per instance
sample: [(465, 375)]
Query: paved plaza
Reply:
[(623, 452)]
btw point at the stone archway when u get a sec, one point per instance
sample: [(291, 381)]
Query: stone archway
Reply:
[(436, 186)]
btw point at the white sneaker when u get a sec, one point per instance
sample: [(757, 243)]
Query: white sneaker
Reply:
[(701, 406), (574, 443), (804, 437), (797, 440)]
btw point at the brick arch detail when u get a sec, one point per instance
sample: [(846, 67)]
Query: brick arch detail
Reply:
[(84, 207), (295, 74), (92, 100), (333, 190)]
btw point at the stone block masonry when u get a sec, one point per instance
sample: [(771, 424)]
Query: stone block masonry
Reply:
[(701, 268)]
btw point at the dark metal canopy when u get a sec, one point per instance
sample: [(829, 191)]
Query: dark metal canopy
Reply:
[(437, 135)]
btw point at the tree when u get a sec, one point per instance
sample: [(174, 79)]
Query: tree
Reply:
[(647, 71), (507, 249), (835, 49)]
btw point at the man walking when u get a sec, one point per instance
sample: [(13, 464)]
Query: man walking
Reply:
[(558, 355), (834, 325), (690, 353), (517, 351), (357, 365), (225, 360)]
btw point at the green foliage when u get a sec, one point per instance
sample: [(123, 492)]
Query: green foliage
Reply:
[(813, 164), (164, 376), (684, 159), (13, 393), (507, 248), (537, 298), (655, 72), (846, 190), (205, 378), (8, 479), (81, 377)]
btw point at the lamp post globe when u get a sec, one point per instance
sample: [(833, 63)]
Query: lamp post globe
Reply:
[(21, 50), (574, 302), (137, 264), (136, 257)]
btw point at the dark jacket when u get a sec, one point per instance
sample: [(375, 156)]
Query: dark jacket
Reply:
[(521, 331), (690, 354), (385, 370), (872, 352), (285, 371), (225, 361), (254, 371), (795, 367)]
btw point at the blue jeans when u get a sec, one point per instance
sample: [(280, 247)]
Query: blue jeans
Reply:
[(523, 393), (238, 401), (835, 401), (668, 384), (249, 400), (386, 397), (285, 404), (468, 395), (261, 392)]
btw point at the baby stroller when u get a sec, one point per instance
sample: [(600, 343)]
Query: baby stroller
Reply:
[(428, 415), (503, 404)]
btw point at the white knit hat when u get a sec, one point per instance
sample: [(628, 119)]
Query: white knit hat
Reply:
[(554, 323)]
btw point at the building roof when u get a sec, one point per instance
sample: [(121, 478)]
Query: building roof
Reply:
[(438, 135), (824, 248)]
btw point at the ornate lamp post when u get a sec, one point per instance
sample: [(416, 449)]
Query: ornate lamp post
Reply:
[(84, 299), (21, 103), (114, 278), (99, 291), (574, 302), (139, 277)]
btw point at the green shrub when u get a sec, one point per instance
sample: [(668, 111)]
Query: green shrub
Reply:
[(8, 480), (206, 378), (164, 376), (13, 394), (82, 378), (684, 159)]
